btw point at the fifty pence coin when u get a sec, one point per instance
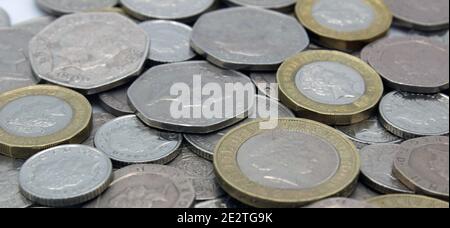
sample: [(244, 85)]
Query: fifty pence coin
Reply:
[(4, 18), (126, 140), (98, 120), (376, 168), (330, 87), (147, 186), (170, 41), (424, 167), (114, 49), (279, 5), (224, 202), (14, 52), (35, 25), (266, 83), (407, 201), (188, 110), (340, 203), (297, 163), (410, 115), (248, 38), (60, 7), (115, 101), (10, 196), (65, 176), (39, 117)]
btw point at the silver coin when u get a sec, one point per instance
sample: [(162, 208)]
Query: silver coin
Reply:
[(147, 186), (10, 81), (126, 140), (403, 32), (180, 10), (35, 25), (158, 107), (204, 144), (224, 202), (248, 38), (115, 101), (266, 83), (10, 196), (340, 203), (376, 168), (368, 132), (410, 115), (362, 192), (65, 176), (113, 49), (60, 7), (14, 52), (280, 5), (170, 41), (4, 19), (98, 120)]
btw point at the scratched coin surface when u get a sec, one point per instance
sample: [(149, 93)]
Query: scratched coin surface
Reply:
[(113, 49), (201, 172), (10, 196), (376, 168), (147, 186), (424, 63), (204, 144), (248, 38), (14, 52), (115, 101), (397, 201), (170, 41), (297, 163), (160, 108), (60, 7), (340, 203), (266, 83), (35, 25), (282, 5), (4, 18), (126, 140), (410, 115), (424, 166), (65, 176), (98, 120)]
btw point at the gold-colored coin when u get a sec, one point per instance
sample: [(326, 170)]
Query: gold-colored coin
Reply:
[(345, 25), (330, 87), (407, 201), (39, 117), (298, 162)]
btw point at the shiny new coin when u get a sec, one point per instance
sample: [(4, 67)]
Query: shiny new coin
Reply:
[(58, 7), (4, 18), (407, 201), (330, 87), (38, 117)]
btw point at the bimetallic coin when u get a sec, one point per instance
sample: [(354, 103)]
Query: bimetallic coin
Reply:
[(424, 63), (147, 186), (126, 140), (410, 115), (10, 196), (341, 203), (362, 192), (225, 202), (328, 86), (376, 168), (407, 201), (65, 176), (266, 83), (180, 10), (368, 132), (98, 120), (344, 24), (170, 41), (297, 163), (60, 7), (114, 49), (115, 101), (4, 18), (279, 5), (424, 166), (36, 25), (14, 52), (12, 81), (39, 117), (170, 97), (248, 38)]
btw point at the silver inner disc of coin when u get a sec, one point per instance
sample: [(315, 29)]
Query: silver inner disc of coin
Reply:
[(35, 116), (288, 160), (330, 83)]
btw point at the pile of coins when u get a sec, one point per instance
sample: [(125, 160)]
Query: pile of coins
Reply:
[(357, 92)]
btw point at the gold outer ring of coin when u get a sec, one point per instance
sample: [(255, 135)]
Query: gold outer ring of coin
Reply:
[(345, 41), (75, 133), (240, 187), (353, 113), (407, 201)]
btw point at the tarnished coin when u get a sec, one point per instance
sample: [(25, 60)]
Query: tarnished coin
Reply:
[(98, 120), (224, 202), (248, 38), (147, 186), (14, 52), (169, 97), (60, 7), (35, 25), (368, 132), (344, 24), (201, 172), (170, 41), (10, 196), (38, 117), (204, 144), (112, 50), (410, 115), (362, 192), (424, 166), (180, 10), (341, 203), (12, 81), (115, 101), (126, 140), (412, 64), (4, 18), (297, 163), (266, 83), (328, 86), (376, 168), (65, 176), (407, 201), (416, 14), (279, 5)]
